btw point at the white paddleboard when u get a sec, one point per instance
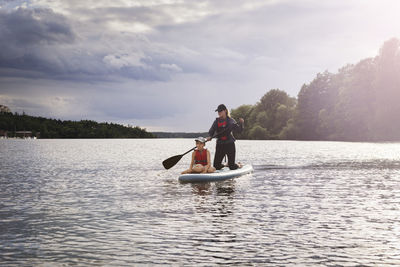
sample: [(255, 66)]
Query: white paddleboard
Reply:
[(220, 175)]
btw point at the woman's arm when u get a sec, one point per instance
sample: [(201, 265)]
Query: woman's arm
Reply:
[(237, 127), (212, 130)]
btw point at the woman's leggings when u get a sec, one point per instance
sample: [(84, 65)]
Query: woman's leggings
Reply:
[(225, 149)]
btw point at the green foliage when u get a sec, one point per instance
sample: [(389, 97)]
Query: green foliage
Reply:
[(244, 112), (266, 119), (289, 132), (51, 128), (258, 133), (359, 103)]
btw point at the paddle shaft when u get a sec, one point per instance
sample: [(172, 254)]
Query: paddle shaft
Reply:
[(195, 147)]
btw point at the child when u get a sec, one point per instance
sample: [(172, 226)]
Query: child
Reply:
[(200, 159)]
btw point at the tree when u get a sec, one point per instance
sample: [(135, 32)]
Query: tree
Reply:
[(387, 92), (258, 133), (243, 111), (320, 94), (271, 114), (50, 128)]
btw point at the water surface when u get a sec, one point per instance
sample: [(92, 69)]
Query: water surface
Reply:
[(109, 202)]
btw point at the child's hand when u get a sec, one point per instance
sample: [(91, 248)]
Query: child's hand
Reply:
[(241, 120)]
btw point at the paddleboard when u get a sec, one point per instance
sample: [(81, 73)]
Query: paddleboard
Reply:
[(220, 175)]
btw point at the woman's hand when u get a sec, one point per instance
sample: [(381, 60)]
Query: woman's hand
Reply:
[(208, 139)]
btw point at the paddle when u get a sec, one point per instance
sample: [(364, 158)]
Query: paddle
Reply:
[(170, 162)]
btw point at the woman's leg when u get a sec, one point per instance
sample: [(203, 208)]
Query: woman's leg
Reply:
[(231, 152), (219, 155)]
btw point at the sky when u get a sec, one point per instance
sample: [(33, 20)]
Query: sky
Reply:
[(166, 65)]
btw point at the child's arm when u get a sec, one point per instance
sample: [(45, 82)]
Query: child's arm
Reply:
[(192, 162), (208, 162), (191, 165)]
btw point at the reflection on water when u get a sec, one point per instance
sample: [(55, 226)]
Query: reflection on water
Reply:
[(110, 202), (201, 189), (222, 205)]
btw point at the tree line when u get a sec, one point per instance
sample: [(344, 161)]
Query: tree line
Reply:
[(52, 128), (358, 103)]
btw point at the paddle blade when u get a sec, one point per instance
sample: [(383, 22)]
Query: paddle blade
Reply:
[(170, 162)]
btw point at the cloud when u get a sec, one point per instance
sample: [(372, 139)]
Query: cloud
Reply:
[(27, 37), (35, 26), (43, 44), (172, 67), (119, 61), (168, 63), (146, 41)]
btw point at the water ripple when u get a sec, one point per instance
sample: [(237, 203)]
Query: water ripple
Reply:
[(109, 202)]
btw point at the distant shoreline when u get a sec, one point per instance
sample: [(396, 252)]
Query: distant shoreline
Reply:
[(178, 134), (22, 126)]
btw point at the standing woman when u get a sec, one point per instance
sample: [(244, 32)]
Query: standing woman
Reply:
[(223, 127)]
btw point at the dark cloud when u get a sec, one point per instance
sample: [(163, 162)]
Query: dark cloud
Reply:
[(27, 39), (39, 43), (25, 27)]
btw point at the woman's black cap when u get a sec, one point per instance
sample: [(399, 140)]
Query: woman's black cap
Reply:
[(221, 108)]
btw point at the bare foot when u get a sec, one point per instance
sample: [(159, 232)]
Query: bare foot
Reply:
[(240, 165)]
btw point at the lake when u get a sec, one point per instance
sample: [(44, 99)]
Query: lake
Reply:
[(110, 202)]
